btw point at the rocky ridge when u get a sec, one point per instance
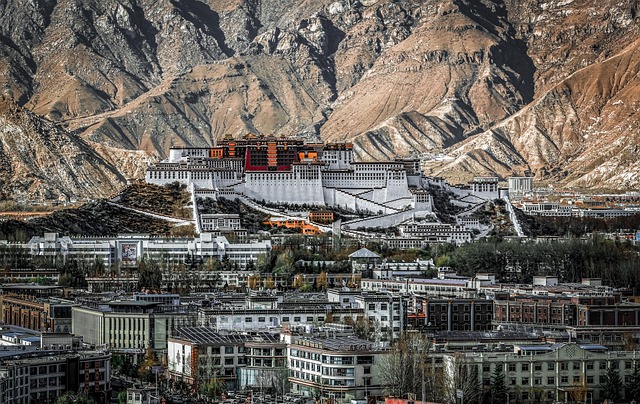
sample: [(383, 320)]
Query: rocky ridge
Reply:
[(41, 162)]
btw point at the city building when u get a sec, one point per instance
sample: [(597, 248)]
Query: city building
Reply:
[(22, 306), (128, 249), (520, 186), (43, 376), (548, 373), (128, 326), (340, 368)]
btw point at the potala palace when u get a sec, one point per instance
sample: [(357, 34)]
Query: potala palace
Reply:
[(285, 170)]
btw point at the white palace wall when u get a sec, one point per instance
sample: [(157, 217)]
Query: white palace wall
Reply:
[(297, 186)]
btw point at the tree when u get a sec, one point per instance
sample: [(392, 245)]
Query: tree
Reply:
[(214, 388), (498, 389), (70, 398), (406, 369), (321, 281), (462, 375), (298, 281), (633, 387), (149, 275), (611, 385), (578, 392)]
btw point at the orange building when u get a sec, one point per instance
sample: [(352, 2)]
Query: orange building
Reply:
[(321, 216), (306, 228)]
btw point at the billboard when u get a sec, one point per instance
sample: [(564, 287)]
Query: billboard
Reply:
[(129, 253)]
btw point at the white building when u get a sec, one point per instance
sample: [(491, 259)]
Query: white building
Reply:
[(340, 368), (549, 373), (520, 185), (129, 249)]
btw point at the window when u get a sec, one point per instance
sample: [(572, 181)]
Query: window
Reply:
[(603, 365), (512, 381), (537, 367), (614, 365), (589, 379), (285, 319), (512, 367), (576, 365), (383, 306), (296, 319), (261, 319), (248, 319), (228, 350), (524, 381), (309, 319), (372, 306), (537, 381), (524, 367), (367, 370), (564, 379), (564, 366), (551, 380), (551, 366), (486, 367), (576, 379), (589, 365)]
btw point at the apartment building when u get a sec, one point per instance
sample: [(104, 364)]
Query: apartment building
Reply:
[(386, 310), (458, 314), (340, 368), (43, 376), (548, 373)]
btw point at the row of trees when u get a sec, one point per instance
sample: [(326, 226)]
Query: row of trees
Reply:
[(616, 263)]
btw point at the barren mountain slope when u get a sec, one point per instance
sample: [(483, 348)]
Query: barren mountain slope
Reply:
[(458, 72), (39, 161), (584, 132)]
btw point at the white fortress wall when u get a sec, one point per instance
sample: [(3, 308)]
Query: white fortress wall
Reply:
[(389, 220), (297, 186), (167, 175), (401, 203), (212, 179)]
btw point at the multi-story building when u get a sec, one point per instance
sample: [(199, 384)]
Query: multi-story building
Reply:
[(548, 373), (520, 185), (128, 250), (386, 310), (457, 288), (199, 355), (30, 311), (437, 232), (458, 314), (219, 222), (485, 187), (40, 377), (340, 368), (128, 326), (265, 364), (234, 318)]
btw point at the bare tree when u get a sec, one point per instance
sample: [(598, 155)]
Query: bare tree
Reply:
[(407, 370), (461, 376)]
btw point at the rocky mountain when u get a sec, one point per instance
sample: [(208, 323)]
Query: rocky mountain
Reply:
[(489, 85), (39, 161)]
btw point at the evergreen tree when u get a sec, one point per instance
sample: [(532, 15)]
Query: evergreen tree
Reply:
[(498, 389), (612, 385), (633, 387)]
